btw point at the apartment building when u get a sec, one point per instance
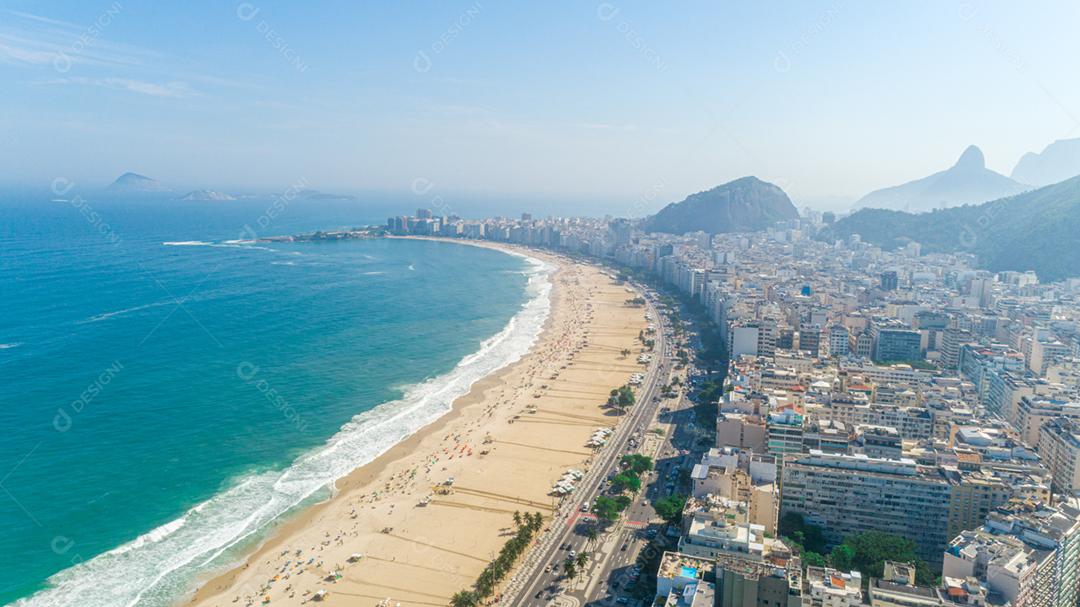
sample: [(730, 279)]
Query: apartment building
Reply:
[(838, 341), (1059, 446), (1027, 555), (849, 494), (784, 433), (1034, 411), (743, 477), (913, 423), (743, 583), (895, 343)]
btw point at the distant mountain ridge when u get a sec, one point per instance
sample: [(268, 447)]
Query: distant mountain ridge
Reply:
[(317, 195), (1057, 162), (135, 183), (207, 195), (1036, 230), (744, 205), (966, 182)]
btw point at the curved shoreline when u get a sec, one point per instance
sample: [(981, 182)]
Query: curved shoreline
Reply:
[(268, 501), (370, 471), (374, 509)]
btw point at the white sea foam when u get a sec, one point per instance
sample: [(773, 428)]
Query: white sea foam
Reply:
[(159, 566), (108, 315), (14, 344), (249, 245)]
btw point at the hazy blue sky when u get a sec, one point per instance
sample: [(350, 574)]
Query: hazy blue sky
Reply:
[(576, 100)]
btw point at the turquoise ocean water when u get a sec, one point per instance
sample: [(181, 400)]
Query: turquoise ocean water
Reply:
[(162, 404)]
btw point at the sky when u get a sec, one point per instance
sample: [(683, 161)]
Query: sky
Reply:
[(596, 102)]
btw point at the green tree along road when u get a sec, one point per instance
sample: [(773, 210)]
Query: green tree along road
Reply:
[(607, 508), (626, 481), (638, 464), (622, 398), (670, 508)]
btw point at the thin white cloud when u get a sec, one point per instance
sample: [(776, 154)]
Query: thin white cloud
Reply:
[(43, 19), (598, 126), (13, 52), (174, 90), (36, 41), (450, 80)]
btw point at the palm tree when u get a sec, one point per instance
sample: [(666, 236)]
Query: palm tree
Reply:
[(592, 533), (464, 598), (517, 518), (581, 560), (571, 569), (485, 584)]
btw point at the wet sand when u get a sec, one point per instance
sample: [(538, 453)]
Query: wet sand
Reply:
[(505, 443)]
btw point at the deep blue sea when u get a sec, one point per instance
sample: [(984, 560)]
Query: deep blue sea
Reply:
[(162, 404)]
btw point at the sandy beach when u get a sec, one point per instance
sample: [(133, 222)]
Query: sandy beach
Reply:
[(504, 443)]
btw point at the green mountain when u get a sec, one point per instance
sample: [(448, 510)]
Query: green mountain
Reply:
[(744, 205), (1038, 230)]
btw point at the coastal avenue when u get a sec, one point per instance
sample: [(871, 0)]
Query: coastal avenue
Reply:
[(533, 578)]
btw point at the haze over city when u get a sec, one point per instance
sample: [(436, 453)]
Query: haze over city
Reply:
[(589, 102)]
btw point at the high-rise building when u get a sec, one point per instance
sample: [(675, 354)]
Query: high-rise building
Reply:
[(897, 344), (863, 345), (846, 495), (1027, 554), (889, 280), (740, 476), (784, 431), (744, 583), (810, 339), (1059, 448), (1034, 411), (1044, 352), (952, 338), (838, 341), (913, 423), (973, 496)]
